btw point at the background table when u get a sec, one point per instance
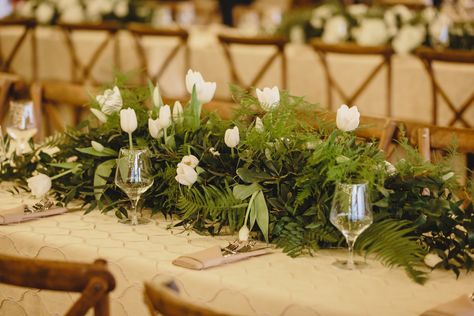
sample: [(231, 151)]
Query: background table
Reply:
[(273, 284), (411, 86)]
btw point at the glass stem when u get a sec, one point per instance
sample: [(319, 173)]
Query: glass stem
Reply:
[(134, 216), (350, 246)]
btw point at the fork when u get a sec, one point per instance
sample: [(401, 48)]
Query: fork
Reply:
[(41, 206)]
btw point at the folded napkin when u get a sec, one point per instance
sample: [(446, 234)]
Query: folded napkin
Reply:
[(212, 257), (462, 306), (17, 214)]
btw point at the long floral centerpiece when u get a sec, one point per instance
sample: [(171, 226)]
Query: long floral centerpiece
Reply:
[(268, 172)]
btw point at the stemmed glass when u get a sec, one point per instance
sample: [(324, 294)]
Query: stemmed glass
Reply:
[(21, 124), (134, 176), (351, 213)]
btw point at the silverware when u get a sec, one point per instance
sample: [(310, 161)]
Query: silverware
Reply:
[(41, 206), (237, 246)]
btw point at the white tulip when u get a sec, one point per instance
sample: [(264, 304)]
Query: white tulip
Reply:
[(347, 119), (428, 14), (186, 175), (39, 185), (155, 128), (214, 152), (44, 13), (336, 30), (403, 12), (128, 120), (97, 146), (164, 116), (205, 90), (100, 116), (371, 32), (73, 14), (269, 98), (121, 9), (111, 101), (391, 21), (178, 113), (323, 12), (156, 96), (409, 38), (431, 260), (259, 125), (357, 10), (190, 160), (244, 233), (232, 137)]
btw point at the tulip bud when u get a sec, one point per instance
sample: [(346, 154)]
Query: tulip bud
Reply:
[(157, 97), (205, 90), (232, 137), (155, 128), (269, 98), (111, 101), (347, 119), (128, 120), (97, 146), (164, 116), (186, 175), (178, 113), (100, 116), (190, 160), (259, 125), (39, 185), (244, 233)]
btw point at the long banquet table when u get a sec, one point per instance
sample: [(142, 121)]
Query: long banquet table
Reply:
[(274, 284), (411, 85)]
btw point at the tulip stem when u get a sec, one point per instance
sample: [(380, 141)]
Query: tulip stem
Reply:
[(62, 174), (232, 152), (130, 140), (249, 206)]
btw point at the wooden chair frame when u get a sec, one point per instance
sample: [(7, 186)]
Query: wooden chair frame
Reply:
[(139, 31), (29, 26), (81, 72), (427, 57), (278, 42), (322, 49), (94, 281)]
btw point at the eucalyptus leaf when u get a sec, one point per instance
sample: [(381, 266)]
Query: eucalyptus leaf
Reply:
[(251, 176), (242, 192), (107, 152)]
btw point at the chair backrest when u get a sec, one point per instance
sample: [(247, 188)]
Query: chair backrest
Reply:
[(427, 57), (164, 300), (82, 71), (94, 281), (278, 43), (140, 31), (323, 49), (28, 29)]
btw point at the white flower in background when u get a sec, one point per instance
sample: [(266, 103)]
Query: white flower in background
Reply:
[(259, 125), (5, 8), (205, 90), (65, 4), (190, 160), (232, 137), (439, 29), (336, 30), (97, 146), (73, 14), (214, 152), (431, 260), (403, 12), (128, 120), (371, 32), (111, 101), (186, 175), (156, 96), (357, 10), (269, 98), (409, 38), (178, 113), (347, 119), (428, 14), (447, 176), (39, 185), (164, 116), (44, 12), (100, 116), (323, 12), (25, 8), (72, 159), (391, 22), (244, 233), (155, 128), (390, 169), (121, 9)]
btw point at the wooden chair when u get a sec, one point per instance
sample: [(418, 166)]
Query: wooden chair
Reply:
[(259, 41), (427, 57), (94, 281), (164, 299), (322, 49), (82, 70), (139, 31), (28, 29), (10, 84)]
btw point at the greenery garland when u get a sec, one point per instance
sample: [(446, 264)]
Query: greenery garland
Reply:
[(280, 179)]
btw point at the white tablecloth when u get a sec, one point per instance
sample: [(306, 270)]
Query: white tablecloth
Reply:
[(411, 86), (274, 284)]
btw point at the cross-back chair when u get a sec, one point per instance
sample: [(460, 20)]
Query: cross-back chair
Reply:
[(28, 30), (140, 31), (428, 56), (278, 43), (93, 281), (164, 299), (81, 71), (385, 52)]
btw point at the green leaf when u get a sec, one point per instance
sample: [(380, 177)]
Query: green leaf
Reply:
[(65, 165), (262, 214), (242, 192), (192, 113), (107, 152), (251, 176), (101, 174)]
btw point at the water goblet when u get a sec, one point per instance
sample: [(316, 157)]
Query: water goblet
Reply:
[(134, 176), (21, 124), (351, 213)]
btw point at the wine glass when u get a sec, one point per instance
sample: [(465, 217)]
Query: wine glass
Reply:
[(21, 124), (351, 213), (134, 177)]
